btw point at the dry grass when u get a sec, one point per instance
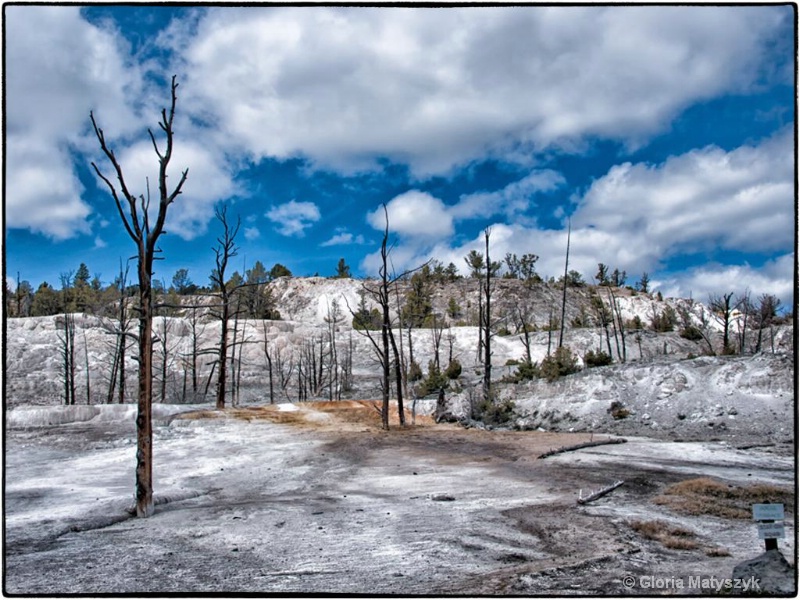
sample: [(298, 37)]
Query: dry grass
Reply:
[(707, 496), (348, 413), (670, 536), (717, 551)]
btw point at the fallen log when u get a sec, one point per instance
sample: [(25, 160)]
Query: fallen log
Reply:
[(599, 493), (581, 446)]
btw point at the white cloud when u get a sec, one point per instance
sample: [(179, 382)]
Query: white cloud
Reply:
[(344, 238), (414, 214), (775, 277), (512, 200), (99, 244), (696, 202), (293, 217), (440, 88), (43, 193), (638, 216), (58, 67)]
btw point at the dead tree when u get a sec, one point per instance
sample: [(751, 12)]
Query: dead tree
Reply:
[(525, 327), (67, 339), (120, 331), (603, 316), (564, 290), (619, 326), (748, 309), (487, 323), (332, 320), (145, 235), (402, 358), (381, 294), (268, 361), (722, 308), (767, 311), (88, 374), (167, 354), (284, 367), (225, 250), (196, 329)]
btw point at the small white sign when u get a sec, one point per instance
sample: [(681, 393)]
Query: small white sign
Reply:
[(768, 512), (770, 531)]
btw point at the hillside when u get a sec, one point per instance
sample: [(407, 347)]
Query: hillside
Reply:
[(650, 385)]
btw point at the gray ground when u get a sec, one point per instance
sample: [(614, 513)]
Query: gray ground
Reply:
[(315, 500)]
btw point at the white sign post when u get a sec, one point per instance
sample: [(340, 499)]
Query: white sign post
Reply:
[(769, 518)]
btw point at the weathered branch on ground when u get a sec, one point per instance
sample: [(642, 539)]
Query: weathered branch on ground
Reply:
[(599, 493), (581, 446)]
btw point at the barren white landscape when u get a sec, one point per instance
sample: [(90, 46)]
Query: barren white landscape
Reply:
[(313, 497)]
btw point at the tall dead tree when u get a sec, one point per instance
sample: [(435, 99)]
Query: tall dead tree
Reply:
[(225, 250), (381, 294), (723, 308), (564, 291), (67, 338), (135, 216), (120, 331), (487, 323)]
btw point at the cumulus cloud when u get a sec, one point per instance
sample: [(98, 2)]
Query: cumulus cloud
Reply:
[(425, 223), (59, 67), (251, 233), (439, 88), (414, 214), (77, 68), (293, 217), (639, 216), (775, 277), (43, 193), (705, 199), (344, 238), (512, 200)]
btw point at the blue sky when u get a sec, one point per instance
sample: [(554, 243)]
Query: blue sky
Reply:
[(667, 134)]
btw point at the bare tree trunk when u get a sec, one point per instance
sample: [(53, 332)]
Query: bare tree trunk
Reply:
[(526, 341), (88, 375), (487, 321), (137, 224), (68, 342), (564, 294), (268, 359), (399, 380), (613, 303), (225, 250)]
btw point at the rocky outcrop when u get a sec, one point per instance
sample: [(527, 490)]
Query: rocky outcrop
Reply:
[(770, 571)]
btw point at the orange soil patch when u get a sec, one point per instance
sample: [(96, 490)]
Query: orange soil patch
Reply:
[(317, 414)]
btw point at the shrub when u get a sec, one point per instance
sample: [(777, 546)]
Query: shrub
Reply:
[(596, 359), (435, 381), (690, 332), (525, 372), (453, 370), (414, 371), (664, 321), (495, 413), (618, 410), (635, 323), (504, 331), (562, 362)]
